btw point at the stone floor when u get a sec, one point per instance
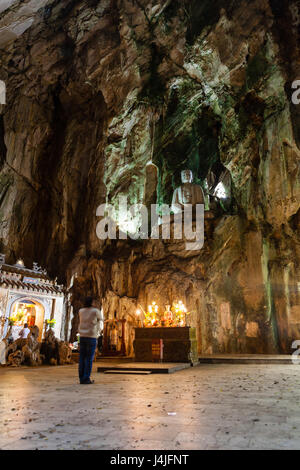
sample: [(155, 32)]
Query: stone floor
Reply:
[(206, 407)]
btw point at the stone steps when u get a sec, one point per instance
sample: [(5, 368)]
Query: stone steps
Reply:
[(245, 359), (135, 367), (120, 371)]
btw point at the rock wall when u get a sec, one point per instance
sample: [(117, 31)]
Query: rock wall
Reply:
[(95, 91)]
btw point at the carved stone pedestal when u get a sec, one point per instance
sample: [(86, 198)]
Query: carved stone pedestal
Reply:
[(179, 344)]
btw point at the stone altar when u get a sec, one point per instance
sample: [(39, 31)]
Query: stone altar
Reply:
[(179, 344)]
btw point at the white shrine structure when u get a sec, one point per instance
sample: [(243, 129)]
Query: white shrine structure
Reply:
[(29, 296)]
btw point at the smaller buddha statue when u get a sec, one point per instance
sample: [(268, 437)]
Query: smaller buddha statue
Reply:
[(114, 337)]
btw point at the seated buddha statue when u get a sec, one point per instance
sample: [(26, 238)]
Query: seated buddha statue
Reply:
[(187, 193)]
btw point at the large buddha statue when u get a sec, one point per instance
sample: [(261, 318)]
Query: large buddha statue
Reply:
[(187, 193)]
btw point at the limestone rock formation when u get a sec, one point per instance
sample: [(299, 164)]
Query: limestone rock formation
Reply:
[(54, 351), (96, 90), (30, 352), (25, 351), (16, 17)]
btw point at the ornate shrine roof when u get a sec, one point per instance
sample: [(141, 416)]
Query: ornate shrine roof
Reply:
[(17, 276)]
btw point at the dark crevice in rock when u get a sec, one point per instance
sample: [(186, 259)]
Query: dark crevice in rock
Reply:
[(154, 89), (195, 147), (205, 14), (289, 52), (294, 223)]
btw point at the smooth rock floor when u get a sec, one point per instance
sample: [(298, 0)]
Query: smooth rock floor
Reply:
[(217, 407)]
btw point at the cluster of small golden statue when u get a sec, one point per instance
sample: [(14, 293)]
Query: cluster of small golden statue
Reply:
[(19, 317), (171, 317)]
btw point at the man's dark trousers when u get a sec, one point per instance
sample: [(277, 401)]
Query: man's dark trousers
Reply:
[(86, 356)]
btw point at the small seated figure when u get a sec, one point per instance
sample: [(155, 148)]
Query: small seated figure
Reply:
[(114, 337), (187, 193)]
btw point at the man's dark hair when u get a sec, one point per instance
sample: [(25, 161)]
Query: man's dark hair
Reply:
[(25, 325), (88, 301)]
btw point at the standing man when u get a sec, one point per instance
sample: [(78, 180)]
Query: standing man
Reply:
[(24, 332), (89, 327)]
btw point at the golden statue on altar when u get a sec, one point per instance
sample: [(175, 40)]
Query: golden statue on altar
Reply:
[(172, 317)]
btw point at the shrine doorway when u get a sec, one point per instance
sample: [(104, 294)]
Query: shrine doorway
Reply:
[(27, 310)]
